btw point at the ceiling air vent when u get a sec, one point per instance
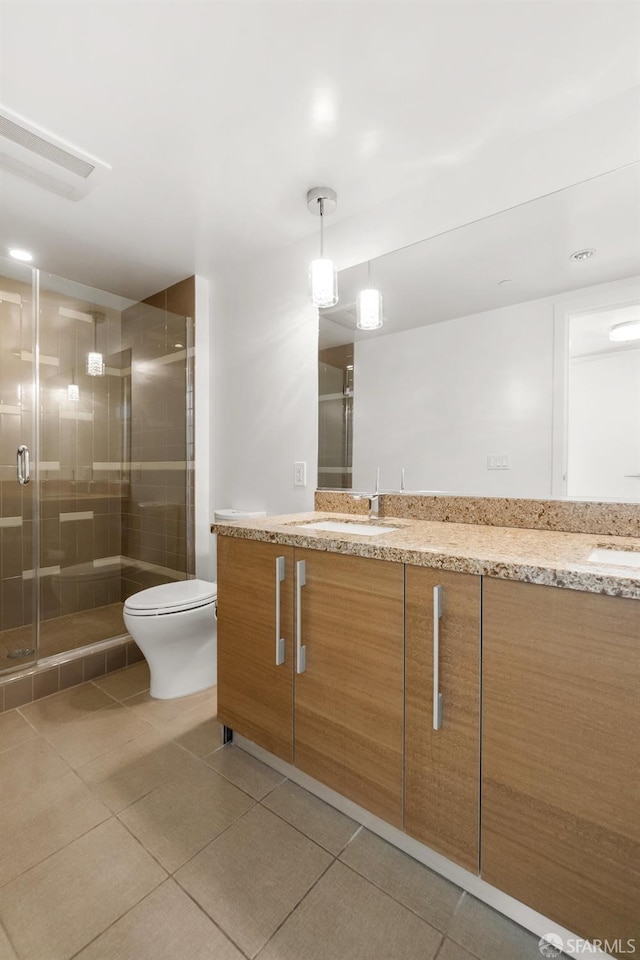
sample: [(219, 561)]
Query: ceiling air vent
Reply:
[(40, 157)]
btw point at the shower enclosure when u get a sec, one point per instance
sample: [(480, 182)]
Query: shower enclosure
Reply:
[(96, 460)]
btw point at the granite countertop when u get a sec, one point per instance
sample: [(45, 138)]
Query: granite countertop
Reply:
[(535, 556)]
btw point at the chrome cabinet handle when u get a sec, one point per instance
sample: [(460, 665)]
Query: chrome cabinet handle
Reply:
[(23, 464), (438, 605), (301, 651), (279, 639)]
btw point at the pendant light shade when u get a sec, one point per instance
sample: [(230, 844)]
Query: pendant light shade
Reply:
[(95, 360), (323, 277), (369, 306), (369, 310), (323, 283), (95, 364)]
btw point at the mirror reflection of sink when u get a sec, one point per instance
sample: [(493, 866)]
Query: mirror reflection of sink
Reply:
[(624, 558), (362, 529)]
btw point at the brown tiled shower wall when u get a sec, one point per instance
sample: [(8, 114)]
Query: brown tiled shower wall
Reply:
[(154, 509), (112, 464)]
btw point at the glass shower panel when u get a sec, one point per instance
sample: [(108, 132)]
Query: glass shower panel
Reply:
[(108, 422), (113, 488), (83, 427), (18, 531), (156, 507)]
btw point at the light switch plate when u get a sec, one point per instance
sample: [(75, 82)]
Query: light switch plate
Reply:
[(300, 473)]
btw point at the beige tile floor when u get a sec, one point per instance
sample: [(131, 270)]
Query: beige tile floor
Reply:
[(128, 832)]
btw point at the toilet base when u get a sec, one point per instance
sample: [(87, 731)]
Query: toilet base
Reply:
[(160, 690), (180, 650)]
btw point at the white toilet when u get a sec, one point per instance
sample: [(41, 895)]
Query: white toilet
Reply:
[(175, 627)]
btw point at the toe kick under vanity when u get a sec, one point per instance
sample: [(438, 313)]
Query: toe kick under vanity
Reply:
[(473, 690)]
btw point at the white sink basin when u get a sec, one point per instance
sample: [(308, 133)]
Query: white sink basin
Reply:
[(346, 526), (624, 558)]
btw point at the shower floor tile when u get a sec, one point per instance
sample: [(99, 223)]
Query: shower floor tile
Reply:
[(60, 634)]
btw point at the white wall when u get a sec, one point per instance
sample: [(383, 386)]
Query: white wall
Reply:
[(439, 399), (265, 333), (204, 542), (265, 370), (604, 426)]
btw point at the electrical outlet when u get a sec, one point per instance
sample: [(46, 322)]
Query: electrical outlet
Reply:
[(498, 462), (300, 473)]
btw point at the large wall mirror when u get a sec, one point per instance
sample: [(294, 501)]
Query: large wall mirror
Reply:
[(499, 369)]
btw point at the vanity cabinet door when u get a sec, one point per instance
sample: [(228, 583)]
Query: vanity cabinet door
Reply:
[(349, 697), (255, 674), (561, 755), (442, 766)]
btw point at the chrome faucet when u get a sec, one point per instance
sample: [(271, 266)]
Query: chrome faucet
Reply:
[(372, 498)]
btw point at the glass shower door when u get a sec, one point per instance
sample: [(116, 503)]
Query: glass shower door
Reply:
[(18, 526), (83, 429)]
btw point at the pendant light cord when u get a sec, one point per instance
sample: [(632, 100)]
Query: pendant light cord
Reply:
[(321, 202)]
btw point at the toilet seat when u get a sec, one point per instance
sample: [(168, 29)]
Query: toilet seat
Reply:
[(171, 598)]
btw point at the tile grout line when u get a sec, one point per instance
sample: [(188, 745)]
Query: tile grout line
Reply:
[(9, 940), (300, 831), (406, 907), (440, 946), (212, 840), (351, 838), (117, 920), (234, 783), (391, 896), (59, 850), (256, 955), (202, 910)]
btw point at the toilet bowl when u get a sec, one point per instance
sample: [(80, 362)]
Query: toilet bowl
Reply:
[(175, 627)]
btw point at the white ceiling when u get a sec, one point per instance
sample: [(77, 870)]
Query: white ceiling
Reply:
[(218, 116), (460, 273)]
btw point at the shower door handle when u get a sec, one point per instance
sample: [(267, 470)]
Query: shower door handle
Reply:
[(23, 464)]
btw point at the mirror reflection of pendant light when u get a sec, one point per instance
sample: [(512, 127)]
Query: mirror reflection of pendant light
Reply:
[(323, 278), (95, 360), (73, 390), (622, 332), (369, 306)]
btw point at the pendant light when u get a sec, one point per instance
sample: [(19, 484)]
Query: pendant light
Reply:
[(73, 390), (95, 360), (323, 279), (369, 306)]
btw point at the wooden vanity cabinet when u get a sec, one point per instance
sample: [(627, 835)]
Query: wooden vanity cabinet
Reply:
[(442, 767), (255, 691), (349, 699), (561, 755)]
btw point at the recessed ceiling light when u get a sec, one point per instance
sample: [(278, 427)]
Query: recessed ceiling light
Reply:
[(621, 332), (18, 254), (178, 345), (582, 255)]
